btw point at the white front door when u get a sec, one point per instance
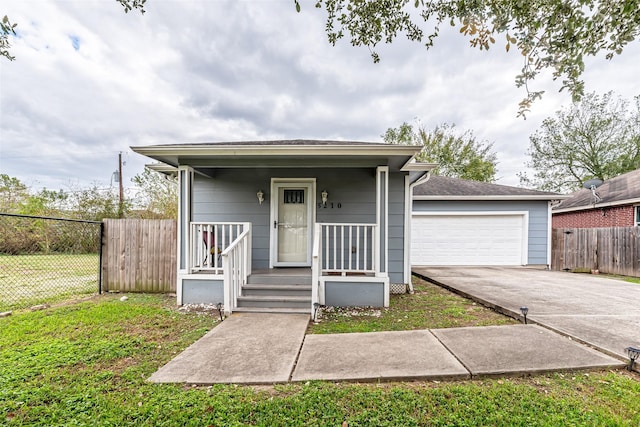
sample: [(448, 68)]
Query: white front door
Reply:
[(292, 223)]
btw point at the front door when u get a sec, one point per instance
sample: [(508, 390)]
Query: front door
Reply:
[(292, 223)]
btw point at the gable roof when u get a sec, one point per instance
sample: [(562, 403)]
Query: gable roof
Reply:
[(446, 188), (286, 153), (622, 190)]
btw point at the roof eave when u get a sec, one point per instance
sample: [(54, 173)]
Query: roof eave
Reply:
[(492, 197), (598, 205), (281, 150)]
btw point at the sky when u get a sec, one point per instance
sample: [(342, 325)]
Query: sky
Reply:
[(89, 81)]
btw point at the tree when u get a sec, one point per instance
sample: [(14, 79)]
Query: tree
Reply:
[(550, 34), (158, 194), (458, 155), (95, 203), (598, 137), (6, 29), (12, 193)]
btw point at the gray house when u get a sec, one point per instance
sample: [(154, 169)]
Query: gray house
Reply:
[(460, 222), (287, 225)]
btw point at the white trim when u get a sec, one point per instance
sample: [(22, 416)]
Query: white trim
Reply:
[(407, 233), (408, 208), (412, 165), (258, 150), (185, 217), (382, 188), (310, 185), (549, 234), (525, 224), (636, 216), (598, 205), (494, 197)]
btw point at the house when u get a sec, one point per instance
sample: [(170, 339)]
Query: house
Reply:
[(460, 222), (288, 225), (615, 203)]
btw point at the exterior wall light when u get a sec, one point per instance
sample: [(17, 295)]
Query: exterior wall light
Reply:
[(524, 311), (325, 197), (260, 195)]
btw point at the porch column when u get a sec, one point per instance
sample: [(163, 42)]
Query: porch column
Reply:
[(382, 219), (185, 190)]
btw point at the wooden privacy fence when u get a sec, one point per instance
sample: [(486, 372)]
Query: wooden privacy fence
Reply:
[(614, 250), (139, 255)]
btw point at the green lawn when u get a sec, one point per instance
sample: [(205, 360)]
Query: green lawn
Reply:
[(429, 307), (27, 280), (87, 364)]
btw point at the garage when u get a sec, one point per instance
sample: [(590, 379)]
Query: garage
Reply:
[(471, 238), (461, 222)]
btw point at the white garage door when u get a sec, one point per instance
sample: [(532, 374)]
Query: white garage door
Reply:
[(468, 239)]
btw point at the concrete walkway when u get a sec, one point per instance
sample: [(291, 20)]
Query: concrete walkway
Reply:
[(245, 348), (601, 312), (270, 348)]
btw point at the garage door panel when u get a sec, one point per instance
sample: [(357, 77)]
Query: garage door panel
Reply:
[(467, 239)]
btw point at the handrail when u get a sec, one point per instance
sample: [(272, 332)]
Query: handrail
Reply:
[(236, 267), (207, 242)]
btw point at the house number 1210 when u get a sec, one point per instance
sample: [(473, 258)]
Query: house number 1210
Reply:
[(330, 205)]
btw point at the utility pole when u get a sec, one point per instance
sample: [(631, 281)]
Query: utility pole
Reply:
[(120, 209)]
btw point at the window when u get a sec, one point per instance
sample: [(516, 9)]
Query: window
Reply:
[(294, 196), (637, 216)]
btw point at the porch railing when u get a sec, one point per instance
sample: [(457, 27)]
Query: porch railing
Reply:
[(236, 265), (348, 248), (208, 240), (342, 249)]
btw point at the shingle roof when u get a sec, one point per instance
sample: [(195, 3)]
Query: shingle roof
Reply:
[(619, 189), (445, 187)]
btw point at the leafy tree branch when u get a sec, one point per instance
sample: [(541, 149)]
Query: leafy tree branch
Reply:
[(598, 137), (458, 155), (550, 34)]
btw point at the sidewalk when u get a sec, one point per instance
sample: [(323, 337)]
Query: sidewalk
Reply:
[(272, 348)]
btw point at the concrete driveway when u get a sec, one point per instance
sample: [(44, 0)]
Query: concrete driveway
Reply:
[(597, 311)]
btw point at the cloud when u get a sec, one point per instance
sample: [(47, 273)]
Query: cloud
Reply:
[(90, 80)]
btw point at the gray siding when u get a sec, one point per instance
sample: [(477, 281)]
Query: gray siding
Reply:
[(196, 291), (231, 196), (358, 294), (538, 218), (396, 227)]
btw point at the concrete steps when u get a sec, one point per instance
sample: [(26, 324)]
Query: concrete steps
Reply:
[(276, 292)]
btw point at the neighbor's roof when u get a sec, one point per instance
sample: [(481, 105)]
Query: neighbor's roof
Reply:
[(621, 190), (446, 188), (279, 153)]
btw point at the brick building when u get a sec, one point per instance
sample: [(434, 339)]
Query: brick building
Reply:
[(616, 203)]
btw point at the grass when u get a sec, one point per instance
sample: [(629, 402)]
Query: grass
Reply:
[(430, 307), (33, 279), (87, 364), (625, 278)]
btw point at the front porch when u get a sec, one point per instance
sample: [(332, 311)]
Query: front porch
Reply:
[(345, 270), (339, 208)]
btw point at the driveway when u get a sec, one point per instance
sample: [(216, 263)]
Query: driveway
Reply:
[(601, 312)]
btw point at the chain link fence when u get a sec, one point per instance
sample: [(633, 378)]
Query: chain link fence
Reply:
[(44, 260)]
